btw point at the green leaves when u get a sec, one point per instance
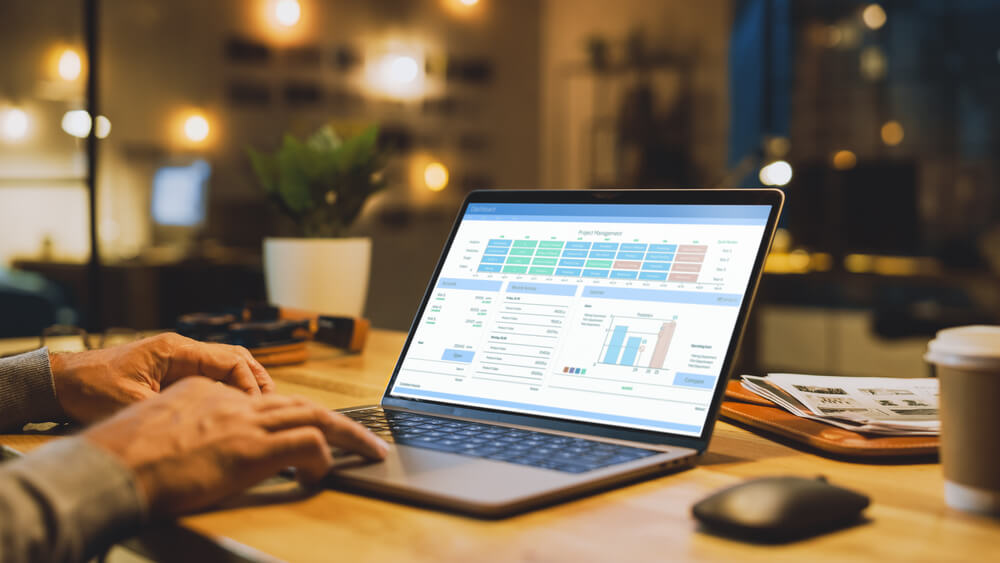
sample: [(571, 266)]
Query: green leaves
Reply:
[(301, 175)]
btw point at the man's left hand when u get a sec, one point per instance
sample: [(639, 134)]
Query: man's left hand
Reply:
[(93, 385)]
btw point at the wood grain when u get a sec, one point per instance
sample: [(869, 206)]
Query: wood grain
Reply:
[(648, 521)]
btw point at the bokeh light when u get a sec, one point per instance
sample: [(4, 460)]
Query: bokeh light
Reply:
[(14, 124), (892, 133), (436, 176), (196, 128), (844, 160), (777, 173), (874, 16), (287, 12), (70, 65)]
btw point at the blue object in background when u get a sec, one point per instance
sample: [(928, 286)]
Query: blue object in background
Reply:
[(760, 80), (179, 194)]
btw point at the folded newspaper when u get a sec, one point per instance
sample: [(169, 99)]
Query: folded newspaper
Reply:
[(877, 405)]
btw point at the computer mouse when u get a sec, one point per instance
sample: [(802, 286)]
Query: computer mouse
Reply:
[(777, 509)]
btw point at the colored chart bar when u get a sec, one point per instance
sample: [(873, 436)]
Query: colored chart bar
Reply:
[(605, 246), (490, 268), (629, 255), (663, 248), (495, 250), (550, 244), (525, 243), (627, 265), (653, 276), (615, 345), (544, 262), (598, 263), (571, 272), (623, 275), (656, 266), (548, 252), (541, 271), (574, 254), (494, 259), (575, 245), (663, 339), (521, 251), (499, 242), (641, 247), (683, 277), (595, 273), (515, 269), (661, 256), (572, 262), (686, 267), (605, 254), (453, 355), (519, 260), (631, 350)]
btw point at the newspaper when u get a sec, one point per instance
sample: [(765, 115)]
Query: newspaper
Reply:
[(877, 405)]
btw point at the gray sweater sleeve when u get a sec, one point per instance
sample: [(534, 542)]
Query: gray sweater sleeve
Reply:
[(27, 393), (67, 500)]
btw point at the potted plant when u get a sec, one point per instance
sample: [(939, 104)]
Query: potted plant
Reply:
[(321, 183)]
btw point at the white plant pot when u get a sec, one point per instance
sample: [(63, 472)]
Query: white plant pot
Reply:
[(325, 275)]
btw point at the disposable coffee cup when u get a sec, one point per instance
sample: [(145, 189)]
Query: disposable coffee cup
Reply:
[(967, 362)]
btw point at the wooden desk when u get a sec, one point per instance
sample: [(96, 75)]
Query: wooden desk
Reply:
[(642, 522)]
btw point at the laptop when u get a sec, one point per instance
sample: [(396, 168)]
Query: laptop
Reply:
[(568, 341)]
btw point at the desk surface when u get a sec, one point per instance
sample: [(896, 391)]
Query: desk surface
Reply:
[(646, 521)]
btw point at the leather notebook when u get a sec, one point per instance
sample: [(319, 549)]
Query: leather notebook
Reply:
[(749, 409)]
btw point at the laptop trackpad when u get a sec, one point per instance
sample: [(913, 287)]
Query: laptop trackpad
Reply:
[(401, 460)]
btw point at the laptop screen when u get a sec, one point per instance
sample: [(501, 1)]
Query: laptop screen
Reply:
[(617, 314)]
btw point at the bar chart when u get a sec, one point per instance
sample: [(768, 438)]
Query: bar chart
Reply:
[(637, 342), (595, 260)]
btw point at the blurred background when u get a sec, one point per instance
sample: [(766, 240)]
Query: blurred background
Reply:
[(880, 121)]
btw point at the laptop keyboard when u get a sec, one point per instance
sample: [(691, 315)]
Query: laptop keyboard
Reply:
[(513, 445)]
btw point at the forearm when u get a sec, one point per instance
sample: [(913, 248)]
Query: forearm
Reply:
[(66, 501), (27, 393)]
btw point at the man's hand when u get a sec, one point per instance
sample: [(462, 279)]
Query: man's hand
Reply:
[(93, 385), (200, 442)]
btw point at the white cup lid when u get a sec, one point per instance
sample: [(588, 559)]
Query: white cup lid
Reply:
[(971, 347)]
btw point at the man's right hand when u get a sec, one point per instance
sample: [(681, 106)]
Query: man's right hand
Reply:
[(200, 442)]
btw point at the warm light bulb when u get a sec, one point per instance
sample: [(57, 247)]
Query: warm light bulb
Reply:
[(14, 124), (70, 65), (873, 16), (196, 128), (777, 173), (436, 176), (469, 2), (402, 69), (287, 12)]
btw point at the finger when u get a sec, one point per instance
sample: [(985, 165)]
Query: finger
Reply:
[(304, 448), (264, 381), (338, 430), (215, 361), (274, 400)]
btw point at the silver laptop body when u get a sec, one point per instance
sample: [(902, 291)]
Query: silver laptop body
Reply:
[(611, 316)]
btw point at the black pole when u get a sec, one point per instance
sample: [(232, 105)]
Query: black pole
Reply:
[(94, 285)]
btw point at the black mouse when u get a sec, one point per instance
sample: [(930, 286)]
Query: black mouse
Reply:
[(777, 509)]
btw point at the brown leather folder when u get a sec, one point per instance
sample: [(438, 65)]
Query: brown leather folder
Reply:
[(749, 409)]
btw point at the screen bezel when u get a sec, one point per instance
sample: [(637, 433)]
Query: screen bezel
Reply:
[(770, 197)]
